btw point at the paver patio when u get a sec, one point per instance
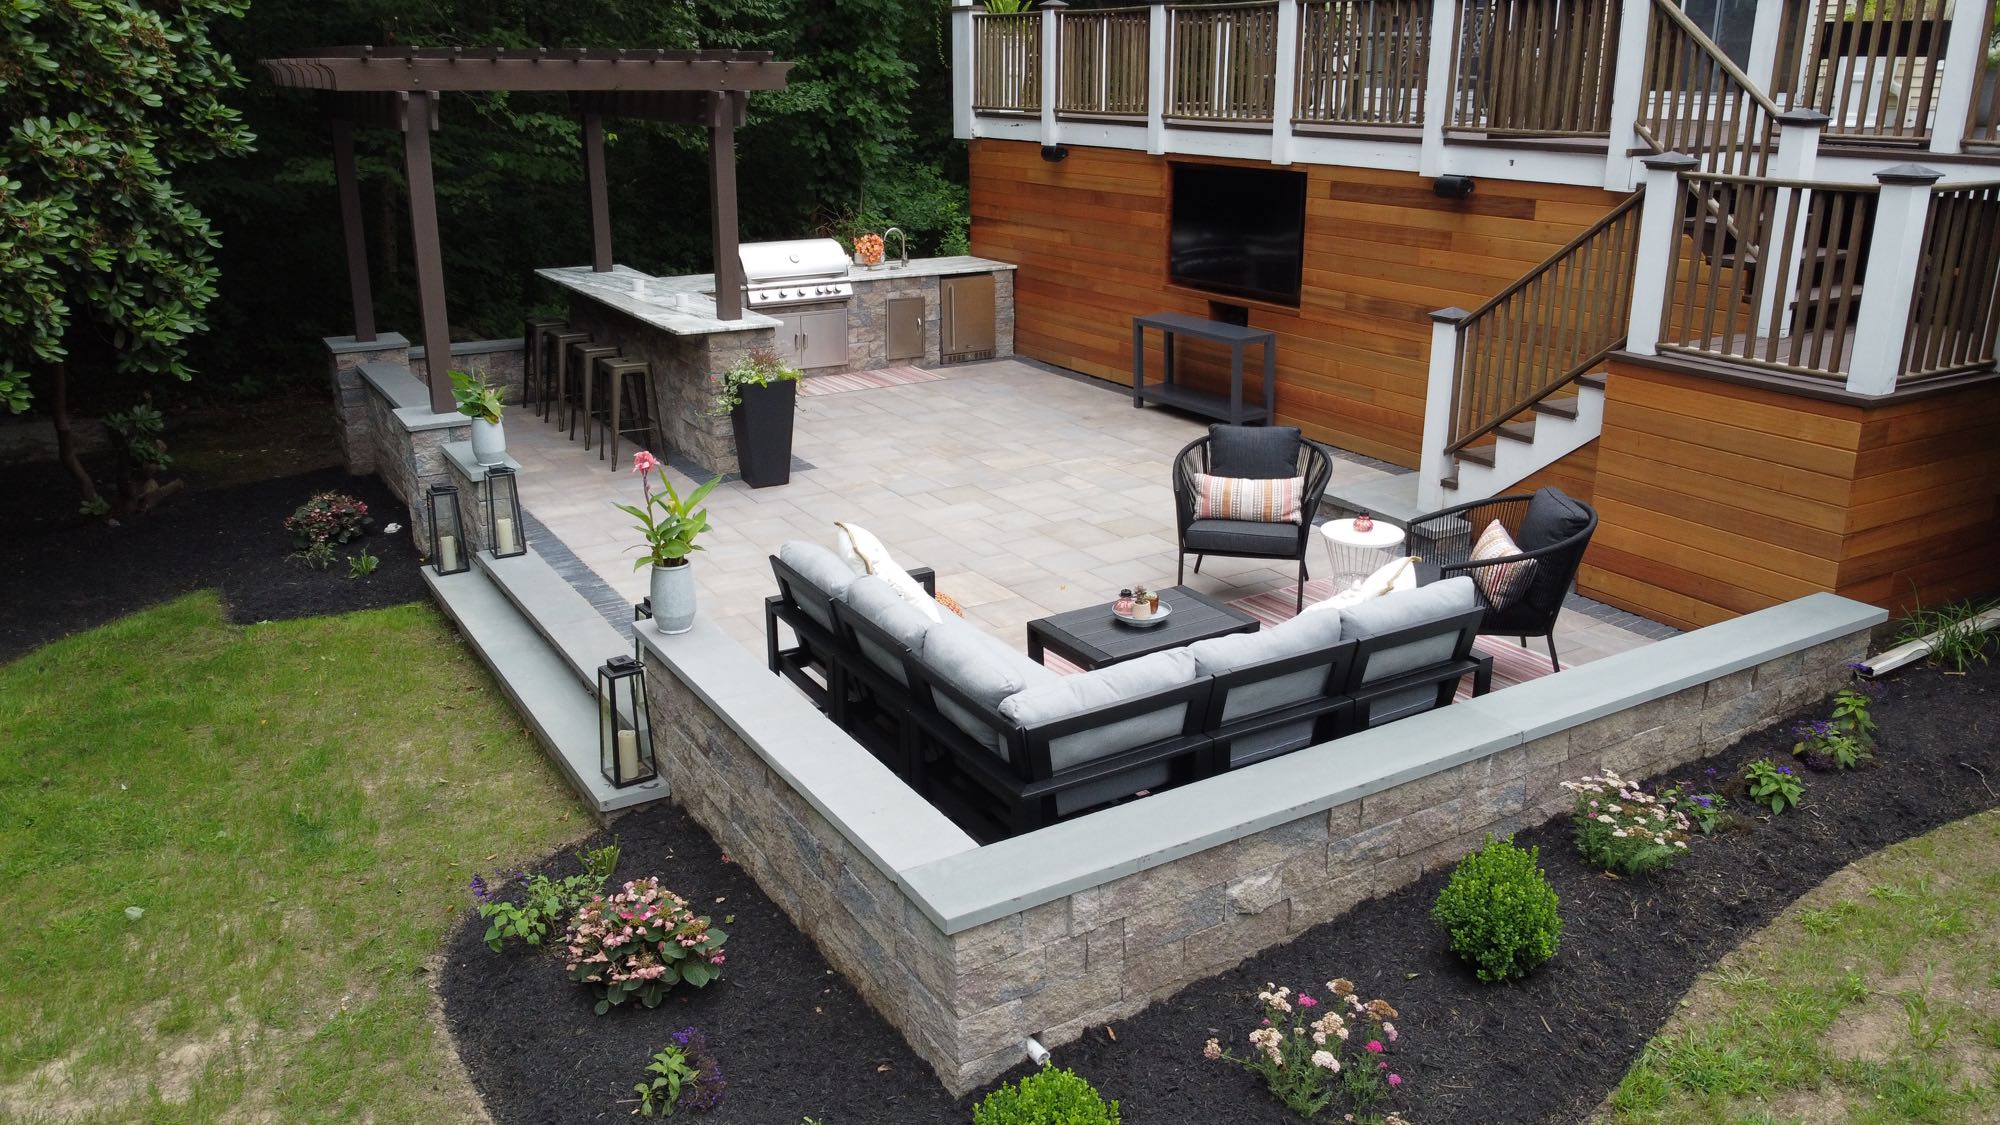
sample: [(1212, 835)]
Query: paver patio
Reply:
[(1030, 492)]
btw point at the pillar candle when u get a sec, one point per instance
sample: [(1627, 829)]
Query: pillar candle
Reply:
[(448, 552), (628, 754), (503, 532)]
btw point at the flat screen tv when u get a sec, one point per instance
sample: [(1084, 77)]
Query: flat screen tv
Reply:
[(1238, 232)]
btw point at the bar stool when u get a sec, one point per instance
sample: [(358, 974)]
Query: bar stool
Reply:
[(536, 376), (630, 384), (583, 359), (556, 359)]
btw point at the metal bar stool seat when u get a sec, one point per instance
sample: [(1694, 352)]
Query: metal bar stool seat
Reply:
[(583, 359), (537, 379), (629, 383), (555, 358)]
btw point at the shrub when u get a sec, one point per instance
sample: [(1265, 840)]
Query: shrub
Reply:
[(1499, 912), (1050, 1096), (545, 902), (326, 519), (1774, 786), (1309, 1059), (1620, 827), (683, 1076), (1706, 813), (1823, 746), (640, 943)]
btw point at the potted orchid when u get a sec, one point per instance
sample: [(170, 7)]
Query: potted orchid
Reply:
[(670, 523), (479, 400)]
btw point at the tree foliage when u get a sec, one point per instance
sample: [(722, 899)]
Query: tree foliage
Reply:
[(105, 104)]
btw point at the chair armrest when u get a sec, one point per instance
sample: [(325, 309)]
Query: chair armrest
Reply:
[(926, 577)]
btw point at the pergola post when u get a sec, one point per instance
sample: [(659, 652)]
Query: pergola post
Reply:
[(419, 117), (722, 109), (597, 198), (349, 188)]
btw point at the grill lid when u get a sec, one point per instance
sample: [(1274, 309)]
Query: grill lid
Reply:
[(802, 258)]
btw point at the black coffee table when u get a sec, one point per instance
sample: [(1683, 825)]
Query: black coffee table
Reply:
[(1093, 638)]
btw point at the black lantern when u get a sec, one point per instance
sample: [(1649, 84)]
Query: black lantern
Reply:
[(624, 732), (641, 612), (506, 534), (450, 553)]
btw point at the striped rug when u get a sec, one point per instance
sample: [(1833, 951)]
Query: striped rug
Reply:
[(865, 380), (1512, 664)]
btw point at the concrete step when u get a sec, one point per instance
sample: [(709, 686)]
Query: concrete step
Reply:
[(564, 618), (540, 682)]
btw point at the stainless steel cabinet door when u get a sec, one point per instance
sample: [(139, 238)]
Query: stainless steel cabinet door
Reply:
[(906, 327), (823, 339)]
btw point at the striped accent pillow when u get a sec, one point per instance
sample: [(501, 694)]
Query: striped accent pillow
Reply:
[(1276, 500), (1505, 583)]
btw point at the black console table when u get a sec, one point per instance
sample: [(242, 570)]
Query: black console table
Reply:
[(1235, 337)]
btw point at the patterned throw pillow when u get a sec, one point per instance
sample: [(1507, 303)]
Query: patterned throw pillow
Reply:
[(1275, 500), (1503, 584)]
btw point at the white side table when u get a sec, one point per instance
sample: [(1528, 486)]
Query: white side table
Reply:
[(1353, 555)]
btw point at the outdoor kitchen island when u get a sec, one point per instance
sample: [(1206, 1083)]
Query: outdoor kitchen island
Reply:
[(934, 310)]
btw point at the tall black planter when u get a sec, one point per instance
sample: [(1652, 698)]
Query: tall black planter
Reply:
[(763, 425)]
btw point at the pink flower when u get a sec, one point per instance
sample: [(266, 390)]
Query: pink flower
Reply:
[(1395, 1080), (644, 462), (1308, 1002), (715, 959), (1375, 1045)]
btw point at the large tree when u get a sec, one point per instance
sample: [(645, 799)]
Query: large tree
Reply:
[(107, 269)]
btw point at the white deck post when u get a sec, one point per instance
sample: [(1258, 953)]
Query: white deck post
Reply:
[(1795, 159), (1051, 62), (1436, 463), (1437, 86), (1963, 53), (1766, 28), (1156, 78), (1628, 88), (1895, 253), (964, 124), (1284, 95), (1659, 237)]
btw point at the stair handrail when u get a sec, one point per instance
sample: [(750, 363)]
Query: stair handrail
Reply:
[(1667, 131), (1491, 383)]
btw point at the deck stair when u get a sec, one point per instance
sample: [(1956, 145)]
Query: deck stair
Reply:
[(543, 642)]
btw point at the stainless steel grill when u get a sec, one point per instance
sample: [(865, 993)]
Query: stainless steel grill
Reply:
[(798, 272)]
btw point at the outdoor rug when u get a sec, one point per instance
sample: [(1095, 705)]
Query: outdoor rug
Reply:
[(865, 380)]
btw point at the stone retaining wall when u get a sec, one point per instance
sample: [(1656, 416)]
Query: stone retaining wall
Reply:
[(1071, 957)]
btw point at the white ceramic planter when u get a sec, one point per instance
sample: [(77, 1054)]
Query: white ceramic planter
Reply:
[(489, 442), (673, 598)]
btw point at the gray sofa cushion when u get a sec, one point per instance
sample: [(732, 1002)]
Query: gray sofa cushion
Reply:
[(890, 611), (980, 667), (1401, 610), (1305, 633), (1260, 452), (823, 571), (1084, 691), (1279, 540)]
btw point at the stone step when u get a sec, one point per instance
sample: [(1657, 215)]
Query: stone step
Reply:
[(565, 619), (1393, 498), (540, 682)]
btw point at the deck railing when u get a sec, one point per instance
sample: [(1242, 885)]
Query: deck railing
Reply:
[(1007, 55), (1956, 312), (1539, 334), (1696, 101), (1982, 125), (1535, 67), (1769, 272), (1362, 62), (1101, 65), (1873, 68), (1222, 62)]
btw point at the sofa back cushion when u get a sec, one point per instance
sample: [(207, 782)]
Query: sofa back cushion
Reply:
[(1085, 691), (1308, 632), (1404, 609), (1253, 451), (872, 598), (826, 578), (983, 669)]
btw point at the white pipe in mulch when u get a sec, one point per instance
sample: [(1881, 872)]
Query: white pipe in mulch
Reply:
[(1037, 1054), (1916, 650)]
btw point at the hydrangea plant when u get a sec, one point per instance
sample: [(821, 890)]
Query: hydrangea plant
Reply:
[(640, 942)]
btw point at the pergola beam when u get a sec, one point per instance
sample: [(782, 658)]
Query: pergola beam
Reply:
[(722, 206), (573, 71), (419, 117), (348, 184), (596, 196)]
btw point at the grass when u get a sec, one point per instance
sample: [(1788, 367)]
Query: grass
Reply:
[(1874, 999), (296, 808)]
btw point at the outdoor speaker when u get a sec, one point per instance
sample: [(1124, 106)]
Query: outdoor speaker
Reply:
[(1453, 187)]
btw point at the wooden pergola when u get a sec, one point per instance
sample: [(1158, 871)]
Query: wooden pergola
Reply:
[(398, 88)]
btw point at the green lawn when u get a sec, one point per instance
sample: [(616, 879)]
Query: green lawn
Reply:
[(296, 807), (1876, 998)]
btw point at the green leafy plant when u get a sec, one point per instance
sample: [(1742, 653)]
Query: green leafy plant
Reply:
[(476, 398), (1312, 1053), (544, 902), (363, 564), (1959, 638), (760, 367), (328, 517), (1620, 827), (1008, 7), (1851, 713), (668, 522), (1706, 813), (683, 1076), (1774, 786), (640, 942), (1498, 912), (1823, 746), (142, 454), (1050, 1096)]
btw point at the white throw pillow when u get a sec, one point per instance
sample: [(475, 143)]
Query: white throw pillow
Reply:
[(1398, 574), (859, 547)]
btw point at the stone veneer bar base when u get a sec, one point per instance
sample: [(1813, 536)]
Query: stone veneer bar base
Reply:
[(967, 950)]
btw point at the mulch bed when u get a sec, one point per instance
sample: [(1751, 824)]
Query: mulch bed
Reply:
[(795, 1039), (62, 576)]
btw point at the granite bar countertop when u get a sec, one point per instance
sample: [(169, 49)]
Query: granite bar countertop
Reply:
[(685, 305)]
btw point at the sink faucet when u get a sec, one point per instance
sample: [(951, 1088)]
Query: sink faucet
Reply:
[(903, 242)]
